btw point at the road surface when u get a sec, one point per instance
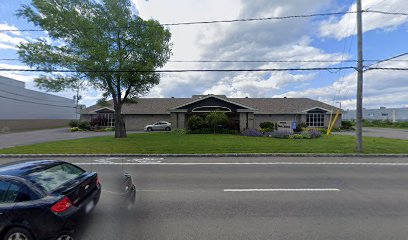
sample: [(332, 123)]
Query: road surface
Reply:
[(381, 132), (252, 198)]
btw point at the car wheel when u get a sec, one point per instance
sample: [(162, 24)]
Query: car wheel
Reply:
[(168, 129), (65, 237), (149, 129), (18, 234)]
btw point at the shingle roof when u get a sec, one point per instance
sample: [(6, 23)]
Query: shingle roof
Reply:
[(262, 105)]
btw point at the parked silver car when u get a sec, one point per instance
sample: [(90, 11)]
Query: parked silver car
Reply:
[(159, 126)]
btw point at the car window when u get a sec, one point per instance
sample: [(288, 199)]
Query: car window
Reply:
[(3, 190), (54, 177), (8, 192)]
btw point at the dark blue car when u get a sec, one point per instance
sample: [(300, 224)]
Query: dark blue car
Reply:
[(43, 199)]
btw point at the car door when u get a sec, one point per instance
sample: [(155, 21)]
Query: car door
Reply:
[(6, 203), (156, 126)]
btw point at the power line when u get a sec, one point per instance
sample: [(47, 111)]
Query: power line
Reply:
[(386, 60), (176, 71), (389, 68), (260, 61), (386, 13), (19, 100), (214, 21)]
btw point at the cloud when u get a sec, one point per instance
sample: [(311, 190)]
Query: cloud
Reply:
[(381, 88), (9, 40), (345, 26)]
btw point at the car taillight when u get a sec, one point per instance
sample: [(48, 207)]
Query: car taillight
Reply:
[(62, 205)]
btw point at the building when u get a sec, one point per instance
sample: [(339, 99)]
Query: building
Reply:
[(22, 109), (390, 114), (243, 112)]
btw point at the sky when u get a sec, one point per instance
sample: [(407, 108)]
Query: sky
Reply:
[(318, 38)]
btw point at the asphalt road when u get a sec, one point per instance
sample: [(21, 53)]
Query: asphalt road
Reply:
[(381, 132), (252, 198)]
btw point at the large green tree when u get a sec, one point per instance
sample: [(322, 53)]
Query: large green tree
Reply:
[(104, 44)]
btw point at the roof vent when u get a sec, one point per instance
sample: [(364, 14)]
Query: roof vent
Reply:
[(284, 97), (246, 97), (172, 97)]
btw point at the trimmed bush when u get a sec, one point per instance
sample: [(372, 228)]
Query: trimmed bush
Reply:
[(280, 134), (228, 131), (251, 133), (200, 131), (265, 130), (306, 135), (216, 119), (267, 125), (84, 125), (73, 123), (196, 122), (300, 127)]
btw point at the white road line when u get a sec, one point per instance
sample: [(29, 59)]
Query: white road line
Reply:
[(285, 190), (248, 163)]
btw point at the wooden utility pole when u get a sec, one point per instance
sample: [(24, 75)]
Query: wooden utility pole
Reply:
[(360, 72)]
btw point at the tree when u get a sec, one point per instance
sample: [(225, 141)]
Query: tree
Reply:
[(196, 122), (103, 43), (216, 118)]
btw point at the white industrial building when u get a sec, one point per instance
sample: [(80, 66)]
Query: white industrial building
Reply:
[(391, 114), (22, 109)]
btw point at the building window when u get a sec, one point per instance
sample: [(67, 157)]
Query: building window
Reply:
[(104, 120), (384, 114), (315, 119)]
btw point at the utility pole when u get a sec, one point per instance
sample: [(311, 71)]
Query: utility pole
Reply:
[(360, 72)]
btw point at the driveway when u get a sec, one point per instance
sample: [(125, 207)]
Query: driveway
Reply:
[(381, 132), (48, 135)]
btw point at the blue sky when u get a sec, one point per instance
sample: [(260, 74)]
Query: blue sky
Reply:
[(323, 38)]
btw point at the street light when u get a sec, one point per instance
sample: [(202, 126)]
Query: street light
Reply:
[(339, 103)]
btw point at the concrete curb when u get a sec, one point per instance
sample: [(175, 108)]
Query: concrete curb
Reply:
[(207, 155)]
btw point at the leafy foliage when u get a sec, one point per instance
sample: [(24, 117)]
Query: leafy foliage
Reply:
[(280, 134), (196, 122), (102, 42), (179, 131), (267, 125), (215, 119)]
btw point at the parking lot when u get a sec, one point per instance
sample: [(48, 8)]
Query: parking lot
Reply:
[(251, 198)]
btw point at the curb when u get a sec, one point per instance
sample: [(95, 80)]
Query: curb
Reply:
[(207, 155)]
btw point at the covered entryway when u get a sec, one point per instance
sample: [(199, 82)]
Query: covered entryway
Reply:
[(240, 116)]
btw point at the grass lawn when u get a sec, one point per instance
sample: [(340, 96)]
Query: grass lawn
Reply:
[(168, 143)]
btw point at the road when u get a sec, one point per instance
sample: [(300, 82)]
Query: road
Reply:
[(252, 198), (47, 135), (381, 132)]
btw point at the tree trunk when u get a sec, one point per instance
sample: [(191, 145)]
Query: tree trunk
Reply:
[(120, 128)]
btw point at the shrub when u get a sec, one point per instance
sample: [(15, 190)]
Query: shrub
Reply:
[(74, 129), (228, 131), (300, 127), (267, 125), (280, 134), (200, 131), (109, 129), (265, 130), (251, 133), (84, 125), (98, 121), (179, 131), (196, 122), (315, 133), (346, 125), (296, 136), (73, 123), (306, 135), (215, 119)]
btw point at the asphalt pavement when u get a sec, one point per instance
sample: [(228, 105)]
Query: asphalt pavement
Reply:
[(47, 135), (251, 198), (381, 132)]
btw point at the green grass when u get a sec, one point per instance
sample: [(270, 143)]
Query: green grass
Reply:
[(168, 143)]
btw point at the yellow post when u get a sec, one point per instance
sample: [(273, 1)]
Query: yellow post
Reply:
[(334, 122)]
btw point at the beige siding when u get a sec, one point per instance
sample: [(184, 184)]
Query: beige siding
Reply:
[(137, 122)]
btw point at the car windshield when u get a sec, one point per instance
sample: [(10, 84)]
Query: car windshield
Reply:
[(54, 177)]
